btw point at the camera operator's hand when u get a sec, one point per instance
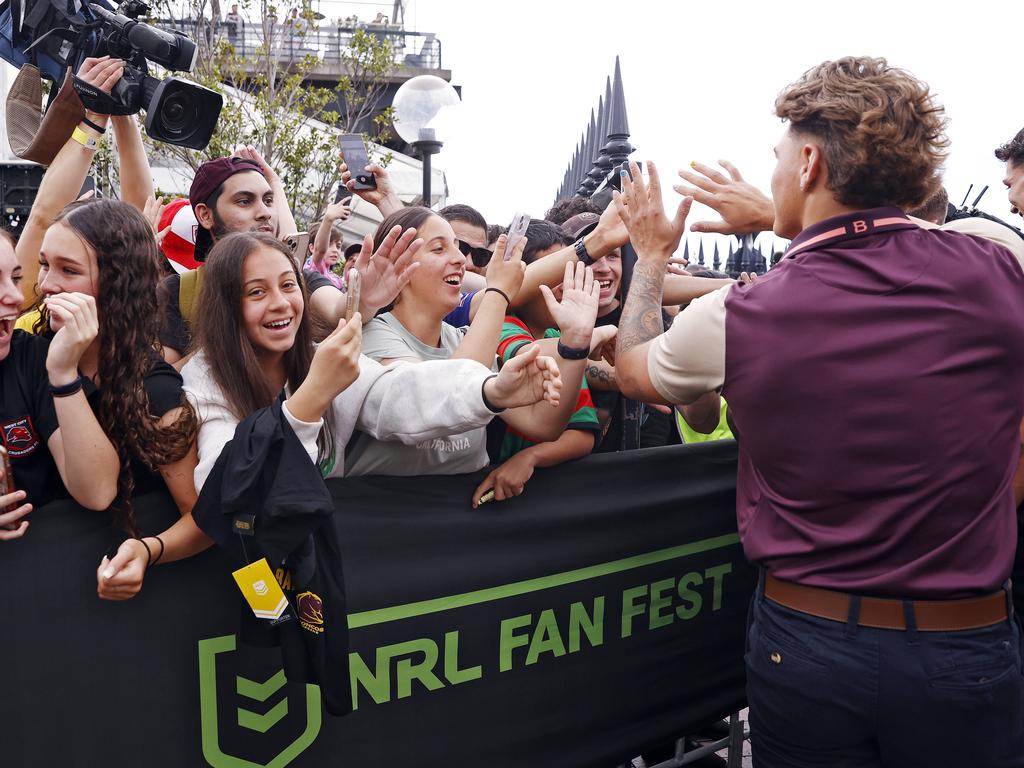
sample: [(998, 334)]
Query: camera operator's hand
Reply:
[(79, 326), (103, 73), (383, 197), (653, 234), (743, 207), (12, 524)]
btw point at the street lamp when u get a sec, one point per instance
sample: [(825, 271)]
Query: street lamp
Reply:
[(423, 112)]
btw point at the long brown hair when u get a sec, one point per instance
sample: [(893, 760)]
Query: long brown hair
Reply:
[(128, 267), (219, 331), (406, 218), (220, 334)]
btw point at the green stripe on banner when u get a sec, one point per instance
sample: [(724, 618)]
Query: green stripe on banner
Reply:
[(437, 604)]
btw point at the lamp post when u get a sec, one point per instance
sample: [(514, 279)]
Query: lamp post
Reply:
[(424, 107)]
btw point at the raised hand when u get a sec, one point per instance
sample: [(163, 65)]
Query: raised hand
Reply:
[(743, 207), (79, 326), (340, 210), (249, 152), (385, 273), (526, 379), (611, 228), (121, 578), (383, 197), (654, 236), (576, 313), (507, 276), (335, 363), (102, 73), (152, 211), (602, 344)]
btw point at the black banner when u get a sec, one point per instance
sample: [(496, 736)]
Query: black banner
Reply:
[(600, 613)]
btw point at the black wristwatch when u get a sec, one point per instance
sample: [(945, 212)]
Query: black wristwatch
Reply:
[(581, 253)]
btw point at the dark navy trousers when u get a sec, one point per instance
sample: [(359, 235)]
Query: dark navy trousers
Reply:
[(833, 695)]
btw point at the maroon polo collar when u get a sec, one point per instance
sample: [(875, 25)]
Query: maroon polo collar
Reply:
[(848, 226)]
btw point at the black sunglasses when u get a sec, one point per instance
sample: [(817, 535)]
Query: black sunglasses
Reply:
[(481, 256)]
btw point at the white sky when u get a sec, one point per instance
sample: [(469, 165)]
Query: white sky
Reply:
[(700, 80)]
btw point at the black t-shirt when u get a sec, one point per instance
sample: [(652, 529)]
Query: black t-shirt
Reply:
[(174, 331), (28, 418), (609, 400), (163, 387), (657, 429)]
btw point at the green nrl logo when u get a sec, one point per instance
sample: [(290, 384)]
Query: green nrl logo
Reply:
[(259, 692)]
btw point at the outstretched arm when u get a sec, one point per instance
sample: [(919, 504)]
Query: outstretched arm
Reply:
[(743, 207), (136, 175), (655, 238), (63, 179)]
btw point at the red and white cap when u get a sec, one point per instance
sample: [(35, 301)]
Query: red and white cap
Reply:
[(179, 245)]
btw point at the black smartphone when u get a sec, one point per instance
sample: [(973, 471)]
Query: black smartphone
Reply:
[(354, 151), (341, 193), (89, 185)]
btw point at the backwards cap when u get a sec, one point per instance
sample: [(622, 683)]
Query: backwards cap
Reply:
[(208, 180)]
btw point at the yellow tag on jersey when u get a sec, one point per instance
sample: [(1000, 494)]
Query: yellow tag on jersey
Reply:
[(261, 590)]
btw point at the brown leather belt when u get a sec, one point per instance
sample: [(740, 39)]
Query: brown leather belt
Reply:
[(881, 613)]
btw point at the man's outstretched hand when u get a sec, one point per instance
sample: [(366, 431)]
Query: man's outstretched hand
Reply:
[(743, 207)]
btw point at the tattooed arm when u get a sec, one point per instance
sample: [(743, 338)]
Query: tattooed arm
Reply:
[(655, 238), (601, 376), (640, 324)]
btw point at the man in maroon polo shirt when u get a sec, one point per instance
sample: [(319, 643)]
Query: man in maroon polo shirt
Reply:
[(876, 382)]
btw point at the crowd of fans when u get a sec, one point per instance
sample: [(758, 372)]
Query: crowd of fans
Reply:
[(463, 354)]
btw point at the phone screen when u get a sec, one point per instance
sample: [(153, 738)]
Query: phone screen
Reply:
[(516, 232), (354, 151)]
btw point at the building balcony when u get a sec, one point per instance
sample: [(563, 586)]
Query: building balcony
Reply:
[(415, 53)]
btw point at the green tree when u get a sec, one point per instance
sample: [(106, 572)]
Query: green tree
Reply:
[(263, 74)]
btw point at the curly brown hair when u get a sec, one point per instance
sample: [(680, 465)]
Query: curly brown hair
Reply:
[(127, 260), (1012, 151), (883, 133)]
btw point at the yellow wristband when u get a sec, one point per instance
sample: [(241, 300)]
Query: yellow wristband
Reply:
[(83, 138)]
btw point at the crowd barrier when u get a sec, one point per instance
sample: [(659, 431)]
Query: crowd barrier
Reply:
[(600, 613)]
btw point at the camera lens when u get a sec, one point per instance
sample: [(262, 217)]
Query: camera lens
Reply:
[(179, 113)]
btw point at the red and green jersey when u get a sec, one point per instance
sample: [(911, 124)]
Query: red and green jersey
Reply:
[(515, 335)]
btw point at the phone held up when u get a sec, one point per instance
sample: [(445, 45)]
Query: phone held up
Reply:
[(354, 152), (7, 481), (352, 292), (516, 232)]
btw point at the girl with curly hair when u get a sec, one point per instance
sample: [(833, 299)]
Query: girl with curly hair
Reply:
[(98, 273)]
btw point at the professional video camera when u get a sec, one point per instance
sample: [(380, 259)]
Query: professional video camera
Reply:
[(177, 111), (972, 211)]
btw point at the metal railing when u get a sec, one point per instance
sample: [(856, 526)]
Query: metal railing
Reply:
[(293, 40)]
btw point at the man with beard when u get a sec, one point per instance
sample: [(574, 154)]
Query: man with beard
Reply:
[(243, 194), (228, 194)]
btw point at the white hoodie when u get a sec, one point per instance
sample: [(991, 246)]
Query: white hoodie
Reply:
[(408, 403)]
